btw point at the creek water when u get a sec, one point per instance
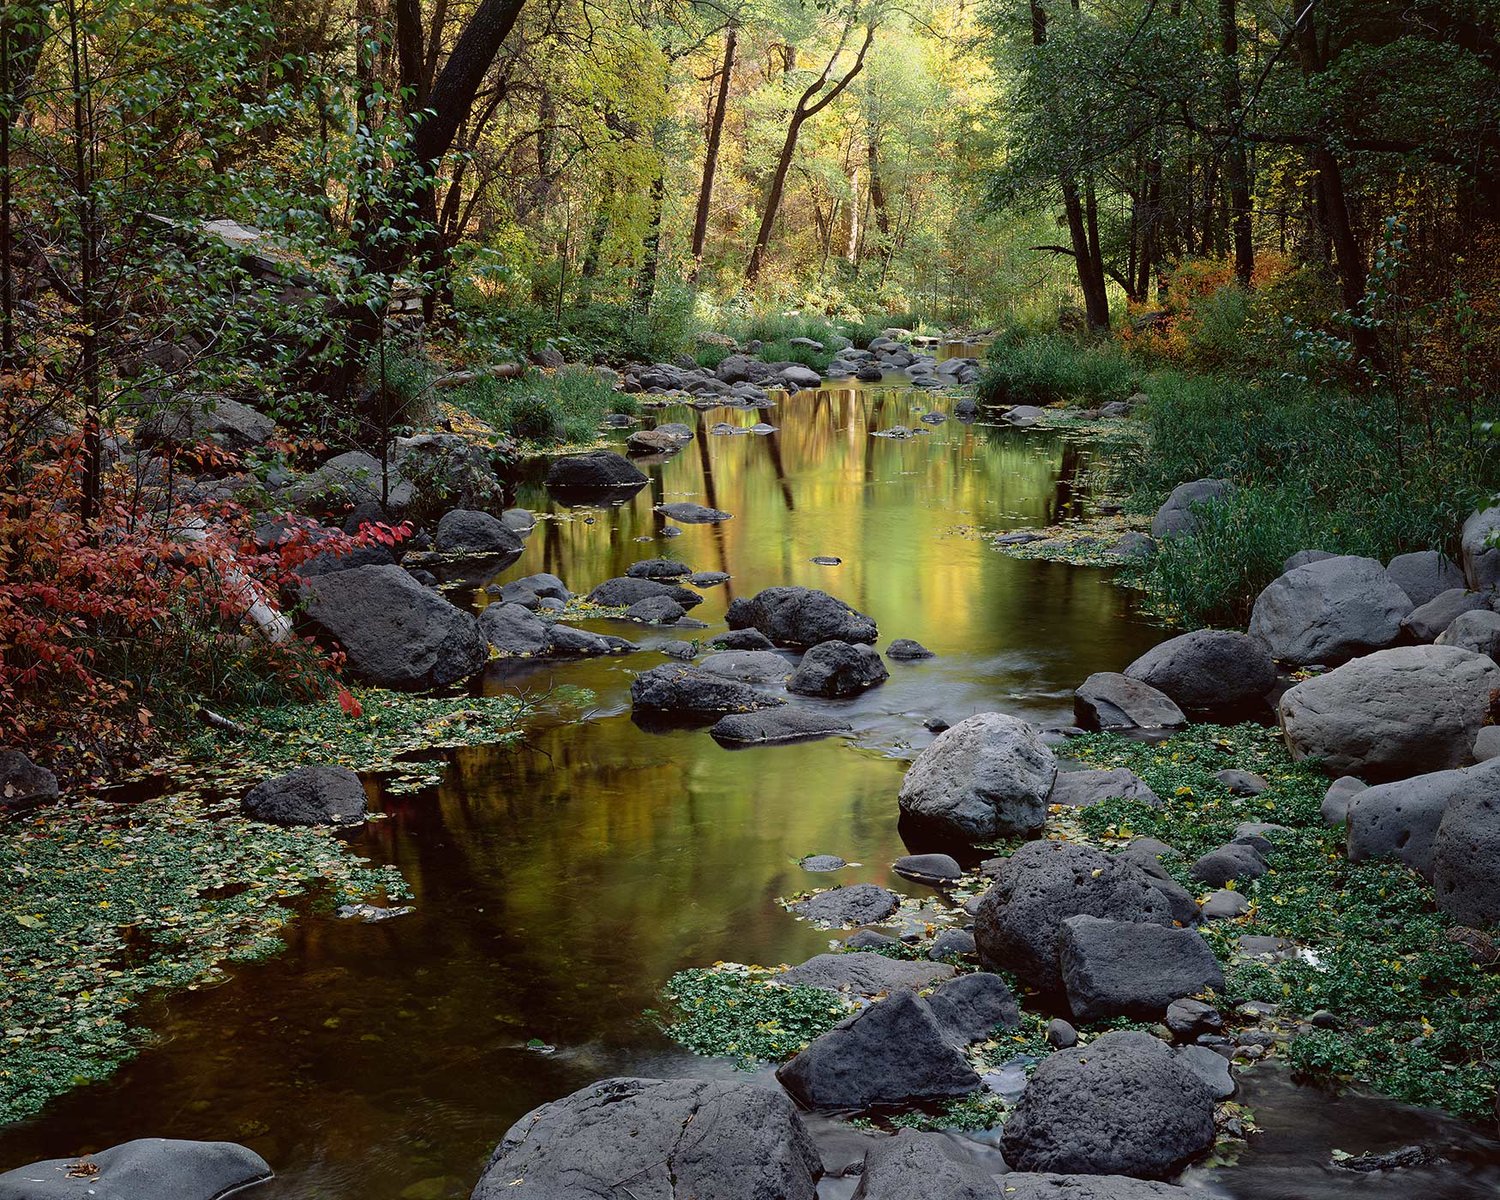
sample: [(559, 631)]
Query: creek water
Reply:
[(559, 883)]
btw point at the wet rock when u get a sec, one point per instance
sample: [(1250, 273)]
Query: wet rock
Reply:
[(865, 973), (1187, 1018), (837, 669), (741, 639), (973, 1006), (826, 560), (922, 1166), (987, 777), (1070, 1118), (1481, 560), (1079, 789), (1402, 819), (668, 1138), (23, 784), (1041, 885), (776, 726), (795, 378), (952, 943), (145, 1169), (1431, 620), (1211, 1068), (394, 632), (653, 441), (594, 472), (905, 650), (694, 514), (1477, 630), (822, 862), (1230, 862), (938, 870), (1133, 546), (1179, 515), (1487, 744), (1339, 797), (656, 610), (567, 642), (1329, 611), (1111, 701), (1060, 1034), (1131, 969), (515, 631), (676, 689), (800, 617), (857, 904), (708, 579), (748, 666), (624, 591), (1024, 415), (868, 939), (1392, 714), (308, 796), (1224, 905), (1207, 669), (965, 409), (1424, 575), (893, 1052), (1242, 783), (467, 532), (531, 590), (658, 569)]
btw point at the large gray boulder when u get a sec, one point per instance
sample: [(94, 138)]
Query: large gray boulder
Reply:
[(1424, 575), (1431, 620), (1122, 1105), (838, 669), (1177, 517), (676, 689), (1019, 921), (23, 783), (1392, 714), (893, 1052), (1329, 611), (1477, 630), (865, 973), (466, 531), (971, 1007), (922, 1166), (1131, 968), (1402, 819), (1481, 560), (1027, 1185), (308, 796), (1338, 798), (1110, 701), (800, 617), (1207, 669), (986, 777), (145, 1169), (748, 666), (192, 419), (597, 472), (394, 632), (1466, 852), (515, 631), (656, 1139)]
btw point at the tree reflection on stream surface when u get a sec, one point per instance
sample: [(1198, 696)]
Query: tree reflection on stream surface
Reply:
[(558, 884)]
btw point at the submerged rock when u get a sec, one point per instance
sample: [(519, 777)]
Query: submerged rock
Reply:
[(775, 726), (682, 690), (145, 1169), (922, 1166), (694, 514), (865, 973), (597, 471), (906, 650)]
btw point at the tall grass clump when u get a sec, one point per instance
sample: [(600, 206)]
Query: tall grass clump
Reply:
[(562, 407), (1054, 369)]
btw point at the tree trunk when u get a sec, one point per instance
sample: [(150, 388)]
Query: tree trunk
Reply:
[(1236, 164), (711, 153), (645, 283)]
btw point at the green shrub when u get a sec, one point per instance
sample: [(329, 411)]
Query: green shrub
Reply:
[(1048, 370), (564, 406), (818, 360), (710, 356)]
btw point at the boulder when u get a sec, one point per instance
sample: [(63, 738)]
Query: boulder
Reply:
[(1477, 630), (352, 477), (986, 777), (935, 870), (145, 1169), (530, 590), (1338, 798), (1079, 789), (922, 1166), (515, 631), (1392, 714), (656, 610), (1024, 1185), (1187, 1018), (800, 617), (1177, 518), (794, 378), (1074, 1116), (857, 904), (1207, 669), (893, 1052), (308, 796), (658, 568), (1431, 620), (465, 531), (676, 689), (1111, 701), (865, 973), (188, 421), (1131, 968), (1401, 819), (1466, 853), (1211, 1067), (708, 579), (344, 558), (566, 642), (1224, 905), (906, 650), (1303, 557), (595, 472), (1329, 611), (952, 943), (1133, 546), (775, 727), (23, 783), (1481, 560), (1041, 885), (1424, 575), (1235, 861), (741, 639), (653, 441), (971, 1007), (623, 591), (666, 1138), (694, 514), (836, 669), (748, 666), (1487, 744), (394, 632)]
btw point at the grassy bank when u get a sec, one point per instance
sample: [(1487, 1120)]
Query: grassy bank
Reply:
[(546, 409)]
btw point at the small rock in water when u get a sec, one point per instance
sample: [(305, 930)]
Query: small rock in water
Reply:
[(952, 943), (935, 725), (694, 514), (1019, 539), (708, 579), (868, 939), (683, 651), (372, 912), (822, 862), (934, 418), (826, 560), (904, 649), (934, 869)]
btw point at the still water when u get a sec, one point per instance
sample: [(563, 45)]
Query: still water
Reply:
[(559, 883)]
